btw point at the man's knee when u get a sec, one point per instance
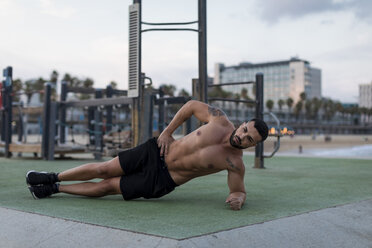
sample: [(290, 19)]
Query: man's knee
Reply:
[(109, 169), (110, 186), (103, 169)]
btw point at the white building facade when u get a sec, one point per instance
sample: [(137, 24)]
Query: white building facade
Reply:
[(365, 95), (282, 79)]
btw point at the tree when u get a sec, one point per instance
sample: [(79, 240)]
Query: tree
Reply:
[(280, 104), (237, 97), (113, 84), (289, 103), (298, 108), (328, 108), (184, 93), (168, 89), (67, 78), (316, 103), (303, 96), (308, 109), (54, 77), (254, 89), (16, 88), (270, 104), (244, 93), (88, 83)]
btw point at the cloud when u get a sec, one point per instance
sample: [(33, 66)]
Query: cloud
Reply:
[(10, 9), (273, 10), (49, 7)]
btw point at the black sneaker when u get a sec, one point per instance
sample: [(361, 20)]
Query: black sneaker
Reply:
[(37, 178), (42, 191)]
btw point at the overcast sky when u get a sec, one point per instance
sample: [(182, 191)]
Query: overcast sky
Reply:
[(88, 38)]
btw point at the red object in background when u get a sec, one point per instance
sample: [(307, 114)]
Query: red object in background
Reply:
[(1, 96)]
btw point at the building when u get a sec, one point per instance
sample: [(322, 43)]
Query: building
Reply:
[(282, 79), (365, 95)]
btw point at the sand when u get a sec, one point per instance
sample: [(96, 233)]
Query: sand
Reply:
[(291, 144)]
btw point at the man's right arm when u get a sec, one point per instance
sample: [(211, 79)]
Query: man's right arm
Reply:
[(202, 111)]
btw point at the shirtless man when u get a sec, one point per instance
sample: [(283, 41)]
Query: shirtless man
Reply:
[(156, 167)]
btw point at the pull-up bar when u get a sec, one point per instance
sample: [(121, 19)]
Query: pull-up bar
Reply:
[(169, 24)]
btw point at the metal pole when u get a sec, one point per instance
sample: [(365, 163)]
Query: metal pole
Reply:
[(2, 107), (46, 121), (259, 160), (8, 73), (52, 130), (203, 74), (137, 101), (109, 93), (146, 115), (161, 111), (62, 124), (98, 135)]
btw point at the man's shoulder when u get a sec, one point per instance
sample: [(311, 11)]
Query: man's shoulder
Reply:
[(222, 120), (235, 163)]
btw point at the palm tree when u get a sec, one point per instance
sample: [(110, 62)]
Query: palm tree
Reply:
[(308, 109), (329, 109), (67, 78), (298, 108), (168, 89), (113, 84), (54, 77), (244, 93), (303, 96), (16, 88), (269, 104), (38, 85), (280, 104), (87, 83), (316, 103), (289, 103), (339, 110), (245, 96), (184, 93), (237, 97)]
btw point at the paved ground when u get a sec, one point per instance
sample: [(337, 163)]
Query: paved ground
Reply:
[(342, 226)]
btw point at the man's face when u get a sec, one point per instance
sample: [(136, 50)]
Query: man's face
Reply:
[(246, 135)]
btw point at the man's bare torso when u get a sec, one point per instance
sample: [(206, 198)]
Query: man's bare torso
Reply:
[(202, 152)]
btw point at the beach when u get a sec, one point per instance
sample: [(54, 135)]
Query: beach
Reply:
[(338, 145)]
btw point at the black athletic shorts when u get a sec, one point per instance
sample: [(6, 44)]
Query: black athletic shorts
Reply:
[(145, 172)]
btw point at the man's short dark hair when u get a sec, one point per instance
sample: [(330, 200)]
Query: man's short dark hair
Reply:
[(261, 127)]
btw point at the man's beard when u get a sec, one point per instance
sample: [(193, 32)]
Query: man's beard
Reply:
[(233, 142)]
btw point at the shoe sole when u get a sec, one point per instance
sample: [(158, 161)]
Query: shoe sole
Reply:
[(33, 194), (27, 181)]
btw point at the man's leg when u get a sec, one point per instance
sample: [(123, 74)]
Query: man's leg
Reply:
[(104, 170), (84, 172), (43, 184), (110, 186)]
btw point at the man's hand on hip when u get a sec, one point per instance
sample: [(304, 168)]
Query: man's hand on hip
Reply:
[(164, 142)]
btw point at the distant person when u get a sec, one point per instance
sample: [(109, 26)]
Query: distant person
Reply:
[(155, 168)]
